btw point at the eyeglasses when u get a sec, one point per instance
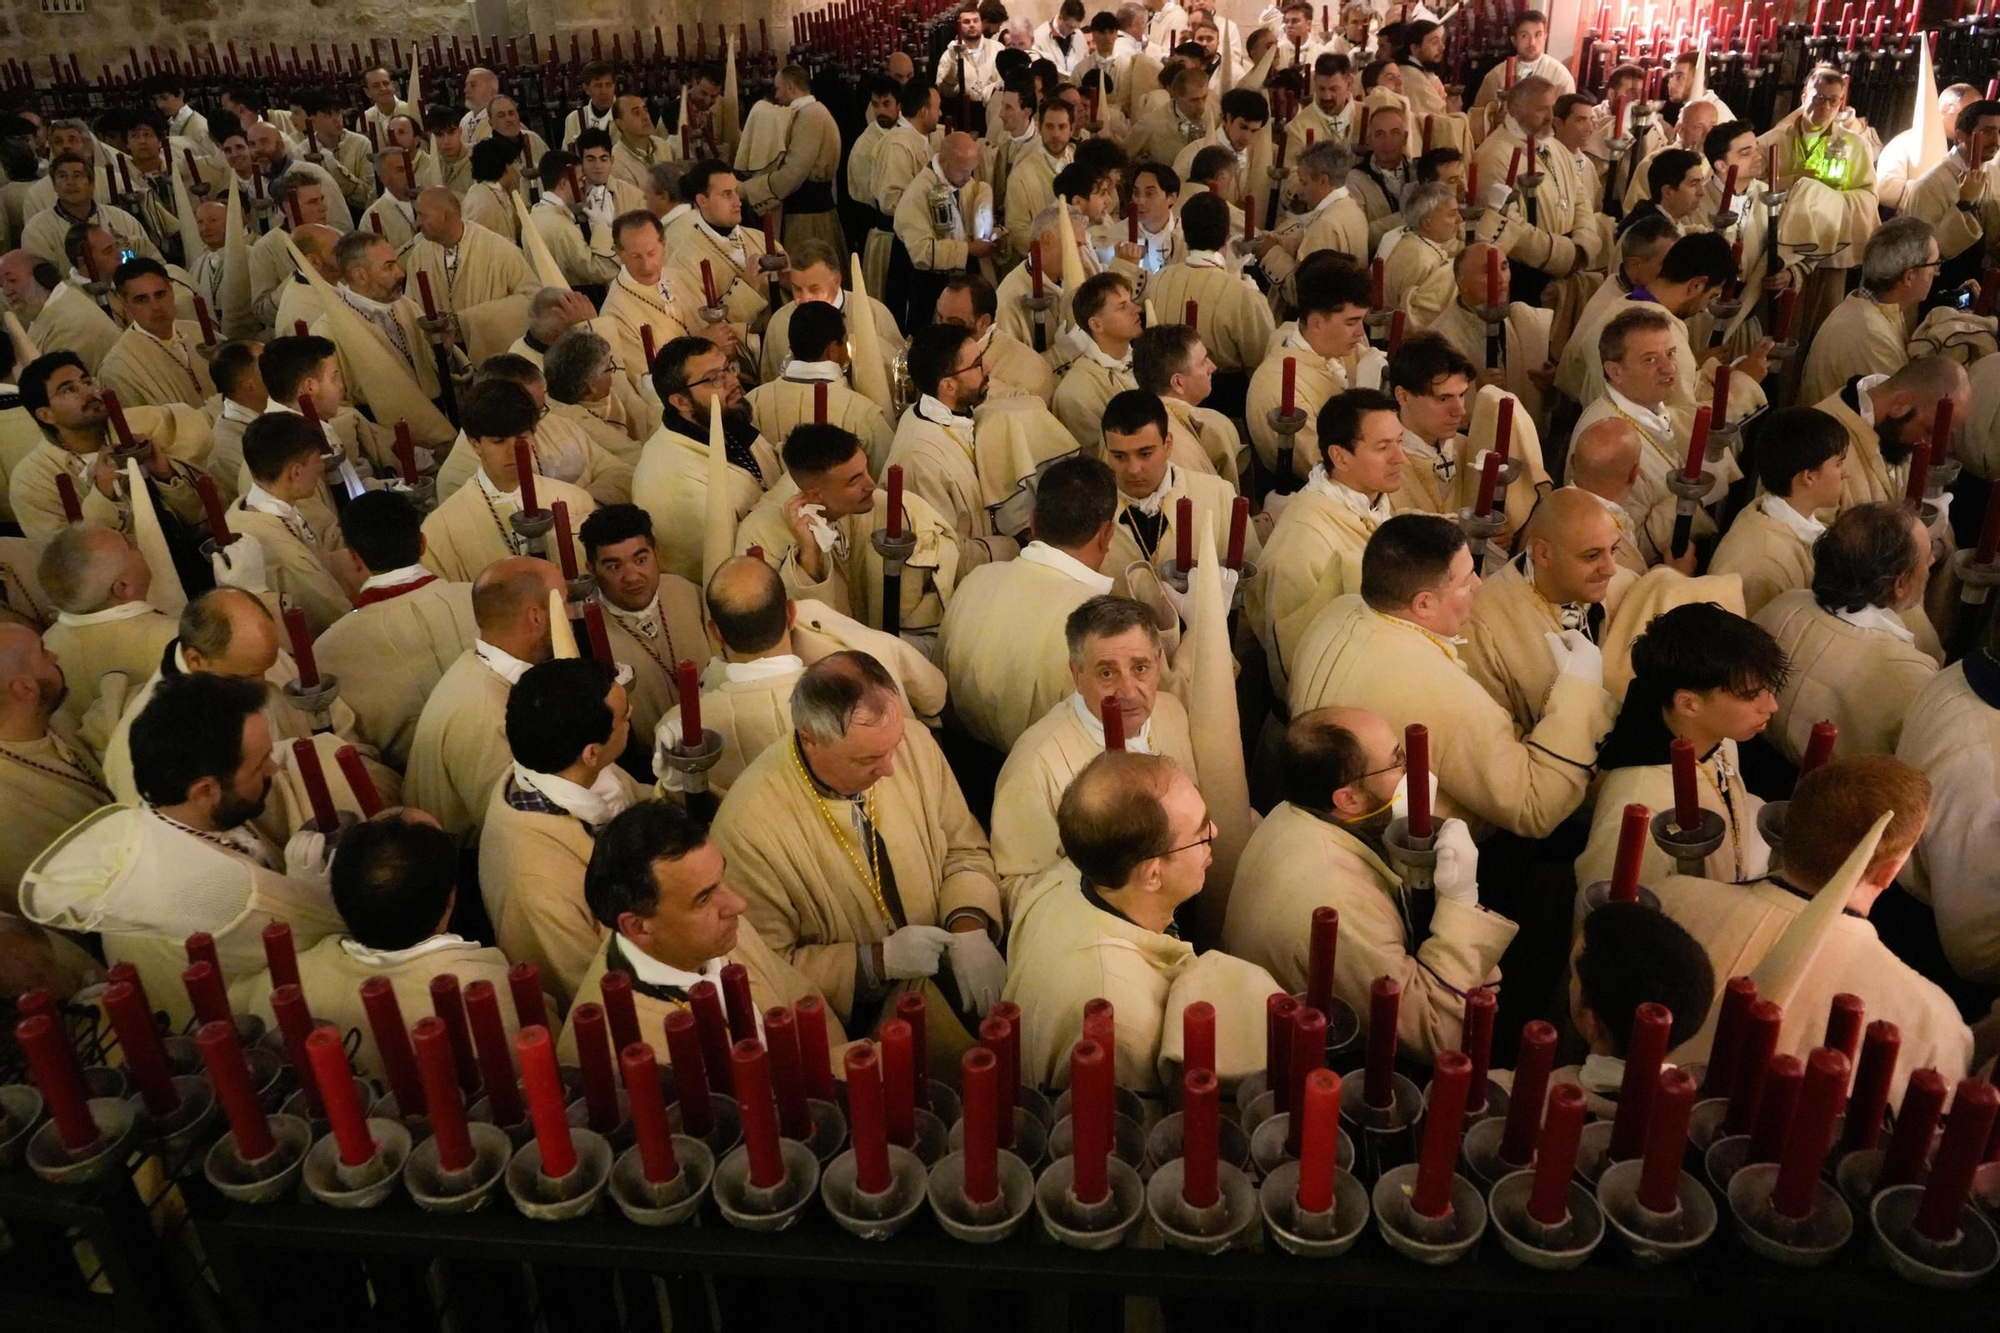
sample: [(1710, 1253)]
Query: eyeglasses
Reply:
[(975, 364), (722, 376), (1401, 761), (1207, 836)]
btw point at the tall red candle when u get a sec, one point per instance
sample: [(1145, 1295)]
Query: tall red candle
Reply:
[(1919, 479), (406, 453), (1697, 443), (648, 346), (1555, 1155), (1646, 1051), (52, 1060), (708, 284), (1397, 322), (1308, 1054), (279, 955), (565, 548), (1320, 1141), (1444, 1114), (336, 1088), (1784, 1077), (1239, 528), (1112, 714), (524, 474), (72, 503), (1132, 226), (1687, 795), (438, 1068), (1278, 1011), (1417, 770), (449, 1007), (1973, 1111), (424, 293), (1249, 224), (684, 1048), (1090, 1101), (1941, 433), (1844, 1020), (1731, 1026), (621, 1013), (1788, 303), (305, 758), (1811, 1133), (139, 1043), (598, 636), (1198, 1036), (1880, 1046), (1531, 1080), (489, 1040), (1753, 1058), (781, 1038), (539, 1077), (979, 1085), (649, 1113), (687, 684), (1184, 535), (864, 1104), (116, 412), (819, 402), (593, 1055), (705, 1001), (1489, 483), (206, 992), (1666, 1139), (300, 635), (1513, 168), (899, 1080), (998, 1035), (229, 1074), (1819, 747), (814, 1055), (1201, 1121), (211, 503), (207, 320), (1375, 273), (1322, 943), (892, 520), (1385, 998), (288, 1006), (392, 1041), (1480, 1006), (1503, 431), (1493, 275), (1289, 400), (1916, 1125), (1632, 835)]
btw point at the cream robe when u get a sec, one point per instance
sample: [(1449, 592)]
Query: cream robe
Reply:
[(808, 900), (778, 405), (852, 585), (298, 300), (1568, 233), (1063, 953), (811, 155), (459, 751), (48, 785), (1504, 649), (1232, 318), (38, 504), (44, 232), (1742, 856), (487, 205), (1213, 498), (531, 875), (1017, 322), (421, 360), (564, 450), (1030, 189), (1871, 478), (1738, 924), (629, 308), (490, 292), (681, 638), (1693, 372), (584, 260), (937, 462), (1861, 337), (1864, 681), (91, 650), (1295, 863), (1766, 555), (777, 347), (1012, 366), (1526, 330), (934, 253), (1086, 387), (145, 374), (632, 166), (465, 533), (70, 320), (903, 152), (395, 225), (1160, 136), (1203, 440), (1953, 735), (300, 571), (1041, 765), (1004, 651), (671, 484), (1359, 658), (1651, 505), (742, 290), (1934, 197), (1579, 375), (1314, 556), (1341, 226), (1421, 278), (1363, 368), (390, 656)]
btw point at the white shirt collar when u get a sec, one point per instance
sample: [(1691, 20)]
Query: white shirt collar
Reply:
[(1047, 556), (733, 241), (368, 957), (1865, 406), (937, 413), (596, 805), (396, 578), (264, 502), (123, 611), (501, 662), (649, 613), (1092, 723), (1878, 618), (1205, 259), (1322, 483), (1086, 347), (235, 411), (1803, 526), (762, 668), (1152, 504), (171, 342), (829, 371), (368, 304), (650, 970), (802, 101), (1657, 422), (493, 492)]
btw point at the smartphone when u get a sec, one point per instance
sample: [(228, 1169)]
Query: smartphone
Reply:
[(124, 255), (1963, 298)]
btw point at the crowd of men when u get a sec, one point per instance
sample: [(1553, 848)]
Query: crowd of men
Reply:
[(402, 415)]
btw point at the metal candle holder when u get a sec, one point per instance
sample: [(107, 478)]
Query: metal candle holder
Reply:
[(1090, 1226), (1128, 1137), (422, 492), (266, 1179), (548, 1198), (533, 527), (873, 1216), (1270, 1145), (49, 1159), (1799, 1242), (1598, 892), (1534, 1242), (1038, 318), (1209, 1230), (1690, 848), (981, 1223), (1175, 577), (20, 1112), (334, 1183), (1479, 530), (1414, 858), (437, 1190), (1286, 426), (1256, 1103), (178, 1134), (668, 1203), (693, 765), (619, 1136), (1031, 1137), (1429, 1240), (1384, 1136), (726, 1130), (1314, 1235), (895, 553), (1655, 1238), (1962, 1262), (316, 703)]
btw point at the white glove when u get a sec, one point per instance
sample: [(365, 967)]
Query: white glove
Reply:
[(913, 952), (980, 970), (1457, 875), (241, 565), (308, 857), (1183, 602), (1576, 655), (667, 736)]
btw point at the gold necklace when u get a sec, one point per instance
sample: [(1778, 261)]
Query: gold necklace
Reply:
[(871, 873), (1436, 642)]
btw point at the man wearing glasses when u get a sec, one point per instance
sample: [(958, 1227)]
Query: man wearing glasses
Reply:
[(671, 481), (1866, 333), (1343, 781), (1100, 925), (1826, 156), (934, 441)]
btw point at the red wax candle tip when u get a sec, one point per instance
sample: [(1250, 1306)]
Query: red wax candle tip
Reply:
[(1973, 1111), (691, 1078), (1322, 943), (1091, 1101), (1480, 1006), (1646, 1051), (1444, 1116), (1632, 834), (979, 1087), (1417, 769), (593, 1055), (865, 1108), (1531, 1081)]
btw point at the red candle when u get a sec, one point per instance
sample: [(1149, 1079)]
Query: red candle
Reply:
[(689, 686), (211, 503), (1646, 1051), (1239, 527), (489, 1041), (1319, 1143), (997, 1035), (1489, 482), (1631, 851), (207, 323), (1531, 1081), (864, 1104), (899, 1082), (737, 1000), (979, 1083), (117, 415), (525, 981), (620, 1014), (1385, 998), (649, 1113), (1193, 314), (1788, 300), (781, 1037), (1731, 1025), (1375, 272), (1132, 227), (439, 1071), (1728, 189), (336, 1088), (1289, 402), (1513, 168), (1201, 1118), (1880, 1046), (1941, 433), (911, 1009), (1472, 182), (392, 1040), (305, 758), (1184, 534), (1444, 1114), (1090, 1079), (1035, 267), (1113, 717), (1666, 1139), (691, 1065), (545, 1101), (1916, 1125), (449, 1007), (424, 292), (406, 453), (139, 1041), (72, 504), (1972, 1114), (646, 339), (1099, 1023), (52, 1060), (302, 648), (279, 955), (1249, 223), (565, 551), (819, 402), (594, 631), (1844, 1020), (1278, 1011), (1198, 1036), (1697, 444), (1819, 747), (1480, 1006), (1417, 769), (1555, 1155), (524, 475), (706, 1002), (1687, 797), (1811, 1133), (288, 1005), (1753, 1058), (1396, 323), (206, 992), (815, 1058), (229, 1073), (1784, 1077), (708, 283), (1320, 949), (1989, 531), (1308, 1054), (593, 1053), (893, 519)]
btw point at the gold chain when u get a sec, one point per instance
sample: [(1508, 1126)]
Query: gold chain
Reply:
[(1437, 642), (871, 873)]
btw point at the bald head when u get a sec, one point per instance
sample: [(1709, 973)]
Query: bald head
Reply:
[(1340, 761), (959, 156), (227, 632), (88, 567), (317, 243), (747, 606), (212, 221), (21, 278), (510, 603), (1573, 544), (18, 648), (1605, 459), (1471, 272), (438, 216)]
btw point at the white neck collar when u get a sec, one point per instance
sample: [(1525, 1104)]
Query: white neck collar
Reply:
[(596, 805), (1092, 723), (762, 668), (1049, 557), (501, 662), (1878, 618), (395, 578), (123, 611), (1803, 526)]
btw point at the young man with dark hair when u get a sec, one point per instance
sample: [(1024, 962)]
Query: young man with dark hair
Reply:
[(732, 252), (1390, 650), (1626, 955), (1031, 180), (691, 376), (817, 372), (1170, 362), (970, 301), (1676, 182), (469, 530), (155, 362), (935, 441), (1232, 317), (1801, 464), (1431, 379), (652, 619), (285, 457), (1150, 489), (1328, 346), (600, 89), (1244, 113), (1108, 318), (1530, 37)]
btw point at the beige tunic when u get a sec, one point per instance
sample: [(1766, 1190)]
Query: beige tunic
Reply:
[(487, 205), (488, 287), (1934, 197), (459, 751), (1566, 235), (1864, 681), (741, 288), (531, 875), (1504, 649), (1526, 331), (1317, 380), (1953, 735), (1861, 337), (1030, 189), (631, 165), (90, 648), (937, 462), (1421, 277), (1086, 387), (851, 579), (933, 252), (1012, 366), (1039, 769), (387, 218), (1356, 657), (48, 785), (564, 450), (413, 350), (902, 154), (778, 338), (671, 484), (780, 404), (630, 309), (45, 231), (793, 856), (1766, 555), (1738, 924), (677, 637), (1314, 556), (70, 320), (296, 567), (1003, 645), (22, 601), (1231, 316), (812, 154), (38, 504), (1213, 499), (1871, 479), (1297, 862), (390, 656), (144, 372), (469, 531), (1743, 854), (584, 260)]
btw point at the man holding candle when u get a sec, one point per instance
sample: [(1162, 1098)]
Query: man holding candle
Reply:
[(154, 362), (406, 629), (1156, 500), (49, 780), (1344, 780), (1889, 417), (1626, 955), (731, 252), (1012, 367), (1332, 219), (937, 446), (75, 183), (815, 387), (945, 221), (1523, 368), (861, 863), (1868, 332), (1393, 649), (480, 279), (1323, 352), (1531, 59), (1819, 147), (1385, 170), (1642, 248), (372, 286), (1031, 179), (644, 309), (1184, 117), (459, 751), (97, 578), (393, 213), (1857, 660), (1430, 378), (577, 239), (57, 313), (285, 457), (301, 202), (470, 530), (1741, 925), (1115, 663), (342, 153), (1245, 113), (1697, 120), (1330, 115), (1563, 234), (652, 620), (563, 449), (690, 375), (568, 721), (1801, 470), (1959, 198)]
